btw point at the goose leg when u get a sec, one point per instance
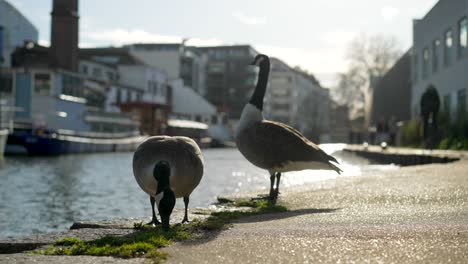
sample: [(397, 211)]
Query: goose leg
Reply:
[(186, 202), (154, 220), (272, 184), (278, 177)]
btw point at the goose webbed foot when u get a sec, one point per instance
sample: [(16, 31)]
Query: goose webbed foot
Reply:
[(272, 194), (185, 220), (154, 220), (274, 197)]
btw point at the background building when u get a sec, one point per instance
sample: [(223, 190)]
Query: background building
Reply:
[(440, 56), (392, 93), (14, 30), (131, 86), (178, 60), (229, 79), (340, 125), (188, 105), (296, 98)]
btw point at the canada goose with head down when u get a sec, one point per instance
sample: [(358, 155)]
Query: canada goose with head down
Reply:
[(167, 168)]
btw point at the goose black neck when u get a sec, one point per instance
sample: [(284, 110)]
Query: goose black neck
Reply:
[(163, 184), (260, 89)]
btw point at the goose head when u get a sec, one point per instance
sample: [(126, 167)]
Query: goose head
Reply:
[(261, 60), (165, 197)]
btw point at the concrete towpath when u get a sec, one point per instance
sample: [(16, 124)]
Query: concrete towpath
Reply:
[(413, 215), (416, 214)]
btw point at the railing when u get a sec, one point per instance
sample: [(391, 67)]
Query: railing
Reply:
[(97, 134)]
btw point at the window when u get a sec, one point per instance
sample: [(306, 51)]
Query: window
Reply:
[(6, 84), (220, 54), (281, 91), (152, 87), (415, 68), (118, 97), (72, 85), (156, 88), (110, 75), (435, 55), (97, 72), (281, 80), (216, 67), (447, 103), (461, 103), (281, 107), (448, 43), (1, 44), (425, 62), (463, 37), (129, 96), (42, 83), (214, 119), (84, 69)]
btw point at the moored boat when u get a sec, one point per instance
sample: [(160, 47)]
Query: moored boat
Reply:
[(59, 112)]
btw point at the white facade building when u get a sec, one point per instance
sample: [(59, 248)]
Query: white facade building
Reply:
[(179, 61), (189, 105), (14, 30), (151, 81), (440, 56), (128, 79), (297, 99)]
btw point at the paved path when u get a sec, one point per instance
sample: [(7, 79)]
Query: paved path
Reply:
[(413, 215)]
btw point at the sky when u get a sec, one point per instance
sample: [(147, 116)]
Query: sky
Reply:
[(312, 34)]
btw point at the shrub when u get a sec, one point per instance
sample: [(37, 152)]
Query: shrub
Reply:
[(412, 133), (444, 143)]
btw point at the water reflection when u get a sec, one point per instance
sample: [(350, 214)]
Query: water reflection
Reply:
[(43, 194)]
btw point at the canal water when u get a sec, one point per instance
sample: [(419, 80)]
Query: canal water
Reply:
[(44, 194)]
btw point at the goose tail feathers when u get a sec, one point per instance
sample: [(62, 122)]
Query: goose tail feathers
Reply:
[(335, 168)]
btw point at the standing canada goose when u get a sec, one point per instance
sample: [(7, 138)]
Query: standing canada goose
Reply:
[(274, 146), (167, 167)]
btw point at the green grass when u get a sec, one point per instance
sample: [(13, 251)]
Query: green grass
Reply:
[(262, 206), (143, 243), (223, 219), (147, 240)]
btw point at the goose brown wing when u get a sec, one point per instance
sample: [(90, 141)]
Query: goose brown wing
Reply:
[(282, 143)]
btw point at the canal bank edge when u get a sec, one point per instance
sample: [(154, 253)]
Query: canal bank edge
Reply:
[(405, 156)]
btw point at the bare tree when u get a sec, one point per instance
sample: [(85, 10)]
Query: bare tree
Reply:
[(369, 58)]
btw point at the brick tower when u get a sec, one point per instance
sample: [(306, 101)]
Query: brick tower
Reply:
[(64, 35)]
